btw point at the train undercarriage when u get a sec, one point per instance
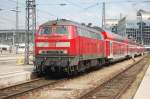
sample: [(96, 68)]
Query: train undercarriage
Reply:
[(69, 66), (65, 65)]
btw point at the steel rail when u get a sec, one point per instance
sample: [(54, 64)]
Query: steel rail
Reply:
[(1, 89), (18, 90), (92, 91)]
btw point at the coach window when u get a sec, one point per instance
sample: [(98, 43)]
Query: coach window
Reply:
[(62, 30)]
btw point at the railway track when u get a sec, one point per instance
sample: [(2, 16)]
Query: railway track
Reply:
[(20, 89), (115, 87)]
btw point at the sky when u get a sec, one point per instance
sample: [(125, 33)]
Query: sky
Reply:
[(82, 11)]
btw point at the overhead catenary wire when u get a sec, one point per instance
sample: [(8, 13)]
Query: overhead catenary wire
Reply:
[(91, 6), (74, 4), (84, 6)]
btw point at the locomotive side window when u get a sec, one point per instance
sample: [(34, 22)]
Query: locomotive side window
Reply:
[(80, 31), (61, 30), (87, 33), (99, 36), (46, 30), (93, 35)]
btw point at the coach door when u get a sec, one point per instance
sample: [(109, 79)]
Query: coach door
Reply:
[(111, 49)]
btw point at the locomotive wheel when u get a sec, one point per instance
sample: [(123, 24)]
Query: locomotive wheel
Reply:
[(72, 70), (75, 70), (39, 73), (68, 72)]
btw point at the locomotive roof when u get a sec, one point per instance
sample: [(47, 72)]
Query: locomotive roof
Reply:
[(60, 22), (68, 22)]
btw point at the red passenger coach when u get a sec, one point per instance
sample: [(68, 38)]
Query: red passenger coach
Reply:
[(134, 48), (115, 46), (67, 47)]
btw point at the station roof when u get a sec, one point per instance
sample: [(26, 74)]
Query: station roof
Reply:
[(12, 31)]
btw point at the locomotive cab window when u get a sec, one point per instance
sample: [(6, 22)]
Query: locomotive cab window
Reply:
[(46, 30), (55, 29), (61, 30)]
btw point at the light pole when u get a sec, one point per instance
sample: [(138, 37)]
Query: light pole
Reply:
[(141, 30), (17, 24), (103, 16), (139, 14)]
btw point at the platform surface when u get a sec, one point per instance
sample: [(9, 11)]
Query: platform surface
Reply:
[(10, 69), (144, 88), (8, 64), (12, 73)]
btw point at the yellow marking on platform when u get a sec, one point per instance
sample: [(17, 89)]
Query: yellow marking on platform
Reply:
[(20, 60)]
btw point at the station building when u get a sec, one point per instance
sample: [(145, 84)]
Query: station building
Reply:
[(111, 25), (129, 28), (143, 18), (138, 29), (13, 37)]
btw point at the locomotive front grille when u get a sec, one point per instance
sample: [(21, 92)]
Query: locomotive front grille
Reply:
[(53, 52)]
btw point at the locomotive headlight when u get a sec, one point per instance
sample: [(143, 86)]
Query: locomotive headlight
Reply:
[(65, 52), (62, 44), (42, 44), (40, 51)]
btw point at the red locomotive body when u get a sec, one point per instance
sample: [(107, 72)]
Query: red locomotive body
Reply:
[(63, 46), (66, 46)]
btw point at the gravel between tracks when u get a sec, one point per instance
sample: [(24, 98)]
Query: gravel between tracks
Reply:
[(130, 93), (74, 88), (115, 88)]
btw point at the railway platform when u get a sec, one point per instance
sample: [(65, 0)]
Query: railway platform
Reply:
[(11, 74), (143, 91)]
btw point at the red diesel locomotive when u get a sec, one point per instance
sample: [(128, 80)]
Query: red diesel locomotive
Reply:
[(63, 46)]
